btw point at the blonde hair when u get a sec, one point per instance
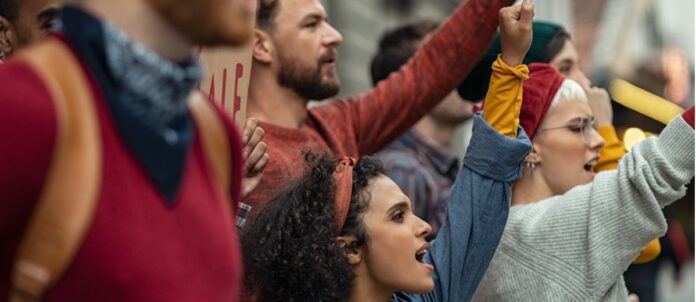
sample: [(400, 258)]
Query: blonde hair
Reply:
[(568, 92)]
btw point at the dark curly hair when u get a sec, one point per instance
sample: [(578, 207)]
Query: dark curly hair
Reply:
[(291, 252)]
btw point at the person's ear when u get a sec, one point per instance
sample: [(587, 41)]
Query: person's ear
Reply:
[(533, 159), (533, 155), (6, 36), (262, 50), (350, 246)]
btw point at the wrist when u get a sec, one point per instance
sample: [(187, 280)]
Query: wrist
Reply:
[(511, 60)]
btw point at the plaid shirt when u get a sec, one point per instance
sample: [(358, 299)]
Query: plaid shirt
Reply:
[(425, 173)]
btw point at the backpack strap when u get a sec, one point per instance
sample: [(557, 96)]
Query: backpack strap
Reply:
[(215, 140), (66, 205)]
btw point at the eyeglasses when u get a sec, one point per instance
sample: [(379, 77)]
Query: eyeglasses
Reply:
[(584, 126)]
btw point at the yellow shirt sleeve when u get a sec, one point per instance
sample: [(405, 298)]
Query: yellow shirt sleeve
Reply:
[(504, 97), (612, 151), (609, 157), (649, 252)]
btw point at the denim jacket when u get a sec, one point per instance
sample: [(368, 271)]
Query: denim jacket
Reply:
[(477, 211)]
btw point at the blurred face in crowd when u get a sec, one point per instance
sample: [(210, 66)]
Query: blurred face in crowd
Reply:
[(33, 21), (305, 49), (567, 62), (209, 22), (392, 259), (567, 145), (453, 110)]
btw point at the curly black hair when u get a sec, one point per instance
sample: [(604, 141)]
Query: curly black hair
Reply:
[(290, 250)]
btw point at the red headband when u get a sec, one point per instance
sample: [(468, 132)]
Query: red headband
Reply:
[(343, 176)]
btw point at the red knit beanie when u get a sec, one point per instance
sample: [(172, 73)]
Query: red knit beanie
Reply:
[(539, 90)]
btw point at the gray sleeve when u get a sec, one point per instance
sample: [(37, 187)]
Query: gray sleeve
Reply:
[(591, 234)]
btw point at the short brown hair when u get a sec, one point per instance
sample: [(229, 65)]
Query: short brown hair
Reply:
[(398, 45), (265, 13)]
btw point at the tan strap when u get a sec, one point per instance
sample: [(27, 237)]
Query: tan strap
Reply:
[(67, 203), (215, 140)]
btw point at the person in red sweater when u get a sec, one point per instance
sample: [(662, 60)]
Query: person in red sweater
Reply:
[(294, 60), (161, 228)]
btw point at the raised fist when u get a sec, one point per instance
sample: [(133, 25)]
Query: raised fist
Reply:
[(600, 103), (516, 32)]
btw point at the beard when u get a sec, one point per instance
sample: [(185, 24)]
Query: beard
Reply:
[(306, 81)]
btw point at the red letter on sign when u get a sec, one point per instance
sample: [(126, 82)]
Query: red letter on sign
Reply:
[(239, 72)]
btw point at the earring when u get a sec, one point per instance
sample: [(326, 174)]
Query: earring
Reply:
[(531, 166)]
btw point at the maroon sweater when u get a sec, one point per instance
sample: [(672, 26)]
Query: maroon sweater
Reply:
[(366, 123), (138, 248)]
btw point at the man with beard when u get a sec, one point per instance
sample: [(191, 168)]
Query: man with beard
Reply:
[(294, 60), (23, 21), (103, 113)]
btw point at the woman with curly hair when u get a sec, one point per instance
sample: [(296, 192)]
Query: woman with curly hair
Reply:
[(346, 232)]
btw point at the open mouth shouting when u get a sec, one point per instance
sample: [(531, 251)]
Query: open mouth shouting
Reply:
[(420, 255), (590, 165)]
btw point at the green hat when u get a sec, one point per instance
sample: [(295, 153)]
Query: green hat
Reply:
[(543, 32), (475, 86)]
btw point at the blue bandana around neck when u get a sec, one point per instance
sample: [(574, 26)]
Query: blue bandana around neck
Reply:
[(146, 94)]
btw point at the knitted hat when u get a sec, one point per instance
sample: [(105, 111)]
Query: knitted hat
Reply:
[(475, 86), (538, 92), (543, 32)]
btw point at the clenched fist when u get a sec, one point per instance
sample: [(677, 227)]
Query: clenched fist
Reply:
[(516, 32), (600, 103)]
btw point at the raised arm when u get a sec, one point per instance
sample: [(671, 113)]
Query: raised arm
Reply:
[(479, 202), (383, 113), (593, 232)]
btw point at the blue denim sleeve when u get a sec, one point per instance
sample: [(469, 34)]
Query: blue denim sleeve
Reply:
[(477, 211)]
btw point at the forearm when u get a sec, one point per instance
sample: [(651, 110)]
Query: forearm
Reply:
[(440, 64), (504, 97), (609, 158), (477, 211), (596, 230)]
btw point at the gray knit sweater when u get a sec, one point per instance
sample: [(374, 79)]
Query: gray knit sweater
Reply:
[(576, 246)]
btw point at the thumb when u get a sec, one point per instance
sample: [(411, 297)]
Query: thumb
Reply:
[(633, 298), (527, 12)]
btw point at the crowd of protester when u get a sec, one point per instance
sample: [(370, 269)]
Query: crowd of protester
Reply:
[(122, 182)]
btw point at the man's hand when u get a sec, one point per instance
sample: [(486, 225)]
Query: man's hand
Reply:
[(600, 103), (516, 32), (254, 156)]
